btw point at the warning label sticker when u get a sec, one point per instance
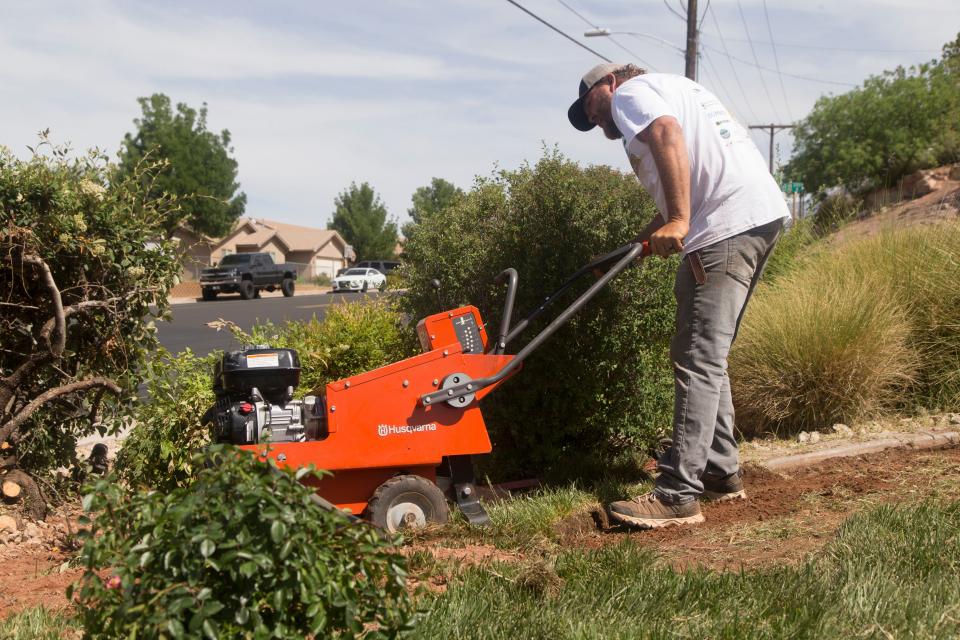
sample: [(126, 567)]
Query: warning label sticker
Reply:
[(258, 360)]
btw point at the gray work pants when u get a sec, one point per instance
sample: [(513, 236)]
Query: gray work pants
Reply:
[(708, 317)]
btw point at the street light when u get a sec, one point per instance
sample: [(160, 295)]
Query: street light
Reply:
[(595, 33)]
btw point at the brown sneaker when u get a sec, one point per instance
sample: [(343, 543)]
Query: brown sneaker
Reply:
[(648, 512), (723, 489)]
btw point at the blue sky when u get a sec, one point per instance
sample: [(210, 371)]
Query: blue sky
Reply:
[(319, 94)]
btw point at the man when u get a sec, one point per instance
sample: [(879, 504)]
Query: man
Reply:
[(722, 211)]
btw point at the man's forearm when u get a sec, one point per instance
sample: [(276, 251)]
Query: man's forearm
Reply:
[(673, 166)]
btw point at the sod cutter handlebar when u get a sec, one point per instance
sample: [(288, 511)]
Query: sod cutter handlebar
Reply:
[(620, 259)]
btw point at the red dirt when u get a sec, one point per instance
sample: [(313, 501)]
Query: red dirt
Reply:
[(802, 509), (32, 572)]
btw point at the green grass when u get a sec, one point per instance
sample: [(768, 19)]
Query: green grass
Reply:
[(38, 623), (889, 573)]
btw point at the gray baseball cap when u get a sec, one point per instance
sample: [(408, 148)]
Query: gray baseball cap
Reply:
[(575, 113)]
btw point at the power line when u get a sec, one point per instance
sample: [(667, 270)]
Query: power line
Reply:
[(736, 76), (789, 75), (565, 35), (776, 60), (763, 80), (589, 22), (819, 47), (716, 74), (704, 17), (674, 11)]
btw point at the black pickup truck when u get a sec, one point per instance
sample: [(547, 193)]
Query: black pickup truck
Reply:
[(247, 274)]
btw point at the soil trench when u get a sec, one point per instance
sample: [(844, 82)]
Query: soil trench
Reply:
[(787, 515)]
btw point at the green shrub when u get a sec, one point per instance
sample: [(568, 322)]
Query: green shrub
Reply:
[(168, 426), (870, 324), (321, 280), (353, 337), (243, 552), (84, 268), (603, 384), (396, 280)]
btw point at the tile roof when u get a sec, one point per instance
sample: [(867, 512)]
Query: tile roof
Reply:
[(295, 237)]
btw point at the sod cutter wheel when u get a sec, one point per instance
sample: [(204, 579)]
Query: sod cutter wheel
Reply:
[(407, 502)]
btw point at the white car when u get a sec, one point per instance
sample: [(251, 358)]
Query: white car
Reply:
[(359, 280)]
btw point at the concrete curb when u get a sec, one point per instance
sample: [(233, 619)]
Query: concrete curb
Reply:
[(922, 440)]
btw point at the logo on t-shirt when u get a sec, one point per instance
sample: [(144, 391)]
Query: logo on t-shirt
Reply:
[(724, 133)]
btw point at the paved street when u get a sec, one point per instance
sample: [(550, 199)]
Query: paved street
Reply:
[(189, 325)]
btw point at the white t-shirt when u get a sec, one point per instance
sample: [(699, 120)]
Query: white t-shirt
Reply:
[(731, 189)]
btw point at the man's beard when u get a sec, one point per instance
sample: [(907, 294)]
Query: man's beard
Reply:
[(610, 130)]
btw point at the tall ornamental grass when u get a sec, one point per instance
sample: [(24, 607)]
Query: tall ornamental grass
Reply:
[(857, 329)]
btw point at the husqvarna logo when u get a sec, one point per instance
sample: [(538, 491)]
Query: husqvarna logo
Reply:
[(384, 430)]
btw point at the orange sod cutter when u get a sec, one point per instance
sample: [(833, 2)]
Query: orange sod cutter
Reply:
[(398, 440)]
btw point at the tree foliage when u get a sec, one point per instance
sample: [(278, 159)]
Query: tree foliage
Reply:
[(428, 200), (79, 283), (361, 218), (199, 169), (895, 124), (242, 552), (603, 384)]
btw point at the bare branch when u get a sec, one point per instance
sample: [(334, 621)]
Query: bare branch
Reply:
[(71, 387), (57, 325), (59, 319)]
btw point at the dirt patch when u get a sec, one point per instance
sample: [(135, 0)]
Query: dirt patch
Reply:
[(787, 516), (33, 562)]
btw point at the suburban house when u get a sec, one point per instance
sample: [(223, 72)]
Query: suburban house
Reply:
[(316, 251), (197, 249)]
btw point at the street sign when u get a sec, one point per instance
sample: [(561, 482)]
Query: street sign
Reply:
[(792, 187)]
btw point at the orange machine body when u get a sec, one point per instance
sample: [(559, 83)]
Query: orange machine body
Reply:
[(377, 426)]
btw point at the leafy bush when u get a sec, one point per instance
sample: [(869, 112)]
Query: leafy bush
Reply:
[(603, 384), (396, 280), (352, 338), (168, 426), (84, 266), (322, 280), (241, 553), (894, 124), (867, 325)]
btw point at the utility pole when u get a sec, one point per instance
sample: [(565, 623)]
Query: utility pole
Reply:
[(691, 55), (773, 129)]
